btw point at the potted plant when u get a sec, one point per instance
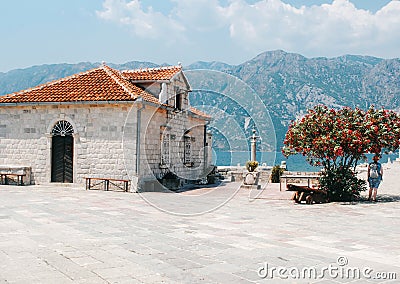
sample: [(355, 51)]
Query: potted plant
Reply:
[(251, 166), (276, 173)]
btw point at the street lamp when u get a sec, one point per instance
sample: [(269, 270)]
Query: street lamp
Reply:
[(253, 142)]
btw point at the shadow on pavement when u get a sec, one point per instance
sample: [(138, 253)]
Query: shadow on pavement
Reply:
[(383, 198), (388, 198)]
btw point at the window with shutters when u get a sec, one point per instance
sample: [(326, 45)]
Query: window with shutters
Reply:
[(165, 148), (187, 159)]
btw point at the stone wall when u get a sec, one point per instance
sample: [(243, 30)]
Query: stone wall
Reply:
[(155, 123), (25, 138), (105, 138), (177, 123)]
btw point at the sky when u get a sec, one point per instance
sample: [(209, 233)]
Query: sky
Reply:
[(171, 31)]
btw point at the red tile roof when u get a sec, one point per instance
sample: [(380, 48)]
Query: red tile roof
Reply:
[(129, 87), (152, 74), (199, 113), (99, 84)]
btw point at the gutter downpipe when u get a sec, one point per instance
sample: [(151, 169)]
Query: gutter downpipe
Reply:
[(205, 152), (138, 136)]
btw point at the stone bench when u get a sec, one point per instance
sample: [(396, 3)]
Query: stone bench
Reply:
[(21, 174), (4, 177)]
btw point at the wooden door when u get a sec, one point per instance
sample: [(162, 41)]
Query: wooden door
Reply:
[(62, 159)]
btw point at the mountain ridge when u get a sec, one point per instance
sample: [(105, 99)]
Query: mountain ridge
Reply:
[(287, 83)]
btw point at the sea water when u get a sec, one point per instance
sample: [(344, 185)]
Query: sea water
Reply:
[(293, 163)]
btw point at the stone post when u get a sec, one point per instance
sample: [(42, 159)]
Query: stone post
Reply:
[(253, 141)]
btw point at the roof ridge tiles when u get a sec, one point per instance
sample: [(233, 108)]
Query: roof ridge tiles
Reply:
[(110, 72), (149, 69), (198, 112), (133, 90)]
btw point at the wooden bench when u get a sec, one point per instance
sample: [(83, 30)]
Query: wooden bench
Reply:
[(106, 183), (308, 194), (4, 178)]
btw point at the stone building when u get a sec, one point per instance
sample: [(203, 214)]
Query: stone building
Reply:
[(134, 124)]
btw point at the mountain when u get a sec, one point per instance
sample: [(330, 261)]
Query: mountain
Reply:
[(214, 65), (290, 83), (286, 83)]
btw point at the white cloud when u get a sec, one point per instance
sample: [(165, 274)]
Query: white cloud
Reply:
[(325, 30), (199, 15), (147, 24)]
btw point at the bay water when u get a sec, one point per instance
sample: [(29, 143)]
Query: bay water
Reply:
[(293, 163)]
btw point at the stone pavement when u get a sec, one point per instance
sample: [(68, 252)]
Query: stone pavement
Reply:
[(52, 234)]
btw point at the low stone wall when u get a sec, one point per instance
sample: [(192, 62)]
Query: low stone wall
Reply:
[(235, 173)]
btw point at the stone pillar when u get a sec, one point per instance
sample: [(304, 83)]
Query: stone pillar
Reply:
[(208, 159)]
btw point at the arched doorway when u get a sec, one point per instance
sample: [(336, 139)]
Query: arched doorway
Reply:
[(62, 152)]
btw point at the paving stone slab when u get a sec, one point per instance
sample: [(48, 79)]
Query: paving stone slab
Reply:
[(50, 232)]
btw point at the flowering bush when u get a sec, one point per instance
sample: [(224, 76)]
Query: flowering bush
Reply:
[(342, 184), (338, 139)]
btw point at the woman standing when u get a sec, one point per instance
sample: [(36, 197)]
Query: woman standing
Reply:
[(375, 174)]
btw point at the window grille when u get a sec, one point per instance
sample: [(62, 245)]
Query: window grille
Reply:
[(62, 128)]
